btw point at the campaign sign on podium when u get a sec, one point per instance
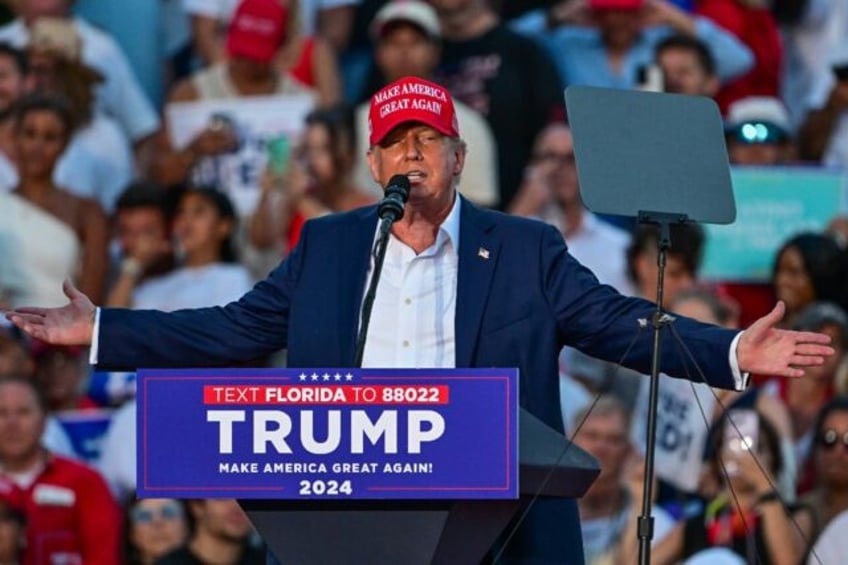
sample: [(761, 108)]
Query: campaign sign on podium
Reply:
[(328, 433)]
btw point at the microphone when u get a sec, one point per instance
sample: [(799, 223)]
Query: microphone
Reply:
[(397, 193)]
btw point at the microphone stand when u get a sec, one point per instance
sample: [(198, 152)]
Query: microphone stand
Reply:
[(389, 210), (645, 527), (368, 302)]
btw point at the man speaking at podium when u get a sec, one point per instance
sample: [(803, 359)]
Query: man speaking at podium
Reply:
[(461, 287)]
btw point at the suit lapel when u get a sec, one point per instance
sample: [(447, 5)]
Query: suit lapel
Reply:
[(478, 256), (355, 258)]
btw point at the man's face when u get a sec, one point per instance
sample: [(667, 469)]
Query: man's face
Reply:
[(21, 422), (405, 50), (429, 159), (222, 519), (683, 74), (11, 84), (555, 151), (251, 69), (676, 278), (605, 437), (619, 28), (759, 154), (139, 226)]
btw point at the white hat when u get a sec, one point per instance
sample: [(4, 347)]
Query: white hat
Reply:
[(758, 109), (415, 12)]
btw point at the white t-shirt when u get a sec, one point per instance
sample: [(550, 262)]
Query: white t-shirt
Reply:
[(193, 287), (832, 545), (120, 94), (602, 248), (601, 534), (223, 10), (117, 457)]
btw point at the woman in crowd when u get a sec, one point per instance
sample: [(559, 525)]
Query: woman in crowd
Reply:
[(809, 267), (830, 453), (805, 398), (48, 234), (747, 515), (318, 180), (154, 527), (208, 274)]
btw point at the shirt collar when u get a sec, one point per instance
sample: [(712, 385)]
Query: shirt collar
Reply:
[(448, 230), (450, 227)]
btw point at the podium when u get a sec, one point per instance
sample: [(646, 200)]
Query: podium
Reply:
[(377, 466), (422, 532)]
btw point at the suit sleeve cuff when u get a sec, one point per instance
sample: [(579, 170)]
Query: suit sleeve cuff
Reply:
[(95, 341), (740, 379)]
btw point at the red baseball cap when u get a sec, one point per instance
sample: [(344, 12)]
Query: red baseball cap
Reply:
[(411, 99), (616, 4), (257, 29)]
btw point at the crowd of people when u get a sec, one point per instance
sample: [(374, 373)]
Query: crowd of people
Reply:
[(179, 183)]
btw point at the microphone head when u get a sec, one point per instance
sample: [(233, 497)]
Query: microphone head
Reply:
[(397, 193), (398, 184)]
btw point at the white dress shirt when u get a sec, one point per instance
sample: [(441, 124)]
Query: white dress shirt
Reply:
[(412, 321)]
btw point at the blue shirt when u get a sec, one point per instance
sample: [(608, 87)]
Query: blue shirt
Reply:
[(580, 57)]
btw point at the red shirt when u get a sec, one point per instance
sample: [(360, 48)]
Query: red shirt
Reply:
[(756, 28), (71, 516)]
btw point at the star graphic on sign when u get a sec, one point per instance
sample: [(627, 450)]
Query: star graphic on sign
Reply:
[(302, 377), (326, 377), (348, 377), (337, 377), (314, 376)]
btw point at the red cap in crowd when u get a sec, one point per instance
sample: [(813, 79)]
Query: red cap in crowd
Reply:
[(257, 30), (616, 4), (411, 99)]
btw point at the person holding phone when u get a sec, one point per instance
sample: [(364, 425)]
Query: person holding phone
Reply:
[(746, 515), (823, 136), (310, 180)]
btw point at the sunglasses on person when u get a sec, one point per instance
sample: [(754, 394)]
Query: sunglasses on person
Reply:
[(757, 132), (829, 438), (170, 511)]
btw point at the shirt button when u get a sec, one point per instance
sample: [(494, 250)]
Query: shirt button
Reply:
[(405, 343), (408, 301)]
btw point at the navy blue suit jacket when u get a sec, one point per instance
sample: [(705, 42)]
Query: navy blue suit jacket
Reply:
[(516, 307)]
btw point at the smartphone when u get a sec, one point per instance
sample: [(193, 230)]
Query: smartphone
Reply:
[(278, 149), (649, 78), (742, 430), (220, 121), (841, 72)]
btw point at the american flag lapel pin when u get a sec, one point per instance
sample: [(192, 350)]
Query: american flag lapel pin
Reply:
[(483, 252)]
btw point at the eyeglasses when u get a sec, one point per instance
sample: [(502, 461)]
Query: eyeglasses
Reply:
[(829, 438), (171, 511)]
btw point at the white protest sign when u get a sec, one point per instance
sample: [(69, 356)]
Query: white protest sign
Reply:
[(681, 430), (256, 120)]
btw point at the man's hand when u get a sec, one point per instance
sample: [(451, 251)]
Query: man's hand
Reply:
[(71, 324), (766, 350)]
